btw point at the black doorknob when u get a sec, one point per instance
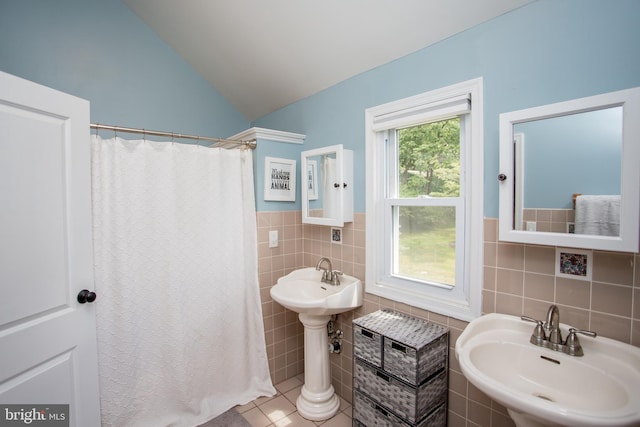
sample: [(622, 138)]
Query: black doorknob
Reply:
[(86, 296)]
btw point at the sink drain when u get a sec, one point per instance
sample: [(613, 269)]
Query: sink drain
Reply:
[(543, 397)]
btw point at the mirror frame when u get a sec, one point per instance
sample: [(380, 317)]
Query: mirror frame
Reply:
[(628, 240)]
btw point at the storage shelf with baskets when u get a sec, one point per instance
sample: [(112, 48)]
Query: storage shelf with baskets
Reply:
[(400, 371)]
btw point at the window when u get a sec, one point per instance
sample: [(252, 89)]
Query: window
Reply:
[(425, 200)]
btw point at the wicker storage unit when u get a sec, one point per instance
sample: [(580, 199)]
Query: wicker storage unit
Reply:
[(400, 371)]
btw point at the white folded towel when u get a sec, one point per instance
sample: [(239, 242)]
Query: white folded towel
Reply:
[(598, 215)]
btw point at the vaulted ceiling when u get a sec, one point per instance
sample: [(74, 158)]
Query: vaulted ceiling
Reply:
[(262, 55)]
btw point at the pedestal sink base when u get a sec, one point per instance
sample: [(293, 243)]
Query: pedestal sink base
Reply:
[(317, 407), (317, 400)]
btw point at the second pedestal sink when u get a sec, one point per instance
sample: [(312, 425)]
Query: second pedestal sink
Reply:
[(543, 387), (304, 292)]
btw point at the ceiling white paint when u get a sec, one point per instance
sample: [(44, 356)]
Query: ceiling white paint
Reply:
[(262, 55)]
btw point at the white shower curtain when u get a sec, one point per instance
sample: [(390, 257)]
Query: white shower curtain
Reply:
[(180, 332)]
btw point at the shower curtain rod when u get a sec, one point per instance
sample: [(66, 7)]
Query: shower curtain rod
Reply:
[(220, 142)]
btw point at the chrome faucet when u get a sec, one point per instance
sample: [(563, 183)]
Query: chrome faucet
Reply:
[(552, 326), (328, 275), (548, 334)]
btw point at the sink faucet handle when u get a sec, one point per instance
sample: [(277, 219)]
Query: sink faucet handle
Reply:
[(335, 280), (574, 331), (538, 336), (530, 319), (572, 345)]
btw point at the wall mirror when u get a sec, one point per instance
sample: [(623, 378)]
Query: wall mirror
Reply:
[(570, 173), (327, 186)]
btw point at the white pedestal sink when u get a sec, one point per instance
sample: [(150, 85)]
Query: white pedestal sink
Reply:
[(303, 291), (543, 387)]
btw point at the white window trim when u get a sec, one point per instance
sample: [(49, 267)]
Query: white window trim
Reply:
[(469, 305)]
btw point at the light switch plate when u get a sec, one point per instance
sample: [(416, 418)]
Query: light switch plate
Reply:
[(273, 239)]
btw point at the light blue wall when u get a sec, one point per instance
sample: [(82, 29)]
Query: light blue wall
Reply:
[(101, 51), (580, 153), (269, 148), (548, 51)]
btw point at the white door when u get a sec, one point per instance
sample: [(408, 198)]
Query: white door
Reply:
[(48, 350)]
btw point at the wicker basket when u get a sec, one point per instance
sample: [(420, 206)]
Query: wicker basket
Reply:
[(408, 402), (367, 413), (415, 365), (367, 345)]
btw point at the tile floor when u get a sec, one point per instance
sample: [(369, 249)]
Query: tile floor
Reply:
[(280, 410)]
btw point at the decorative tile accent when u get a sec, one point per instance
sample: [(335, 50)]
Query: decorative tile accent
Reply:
[(574, 263)]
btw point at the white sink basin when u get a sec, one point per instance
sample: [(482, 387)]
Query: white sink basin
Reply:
[(303, 292), (540, 386)]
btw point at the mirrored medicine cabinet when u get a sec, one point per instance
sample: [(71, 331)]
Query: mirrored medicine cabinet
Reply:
[(327, 186), (570, 173)]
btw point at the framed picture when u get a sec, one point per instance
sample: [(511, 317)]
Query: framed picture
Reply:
[(279, 179), (574, 263), (312, 180)]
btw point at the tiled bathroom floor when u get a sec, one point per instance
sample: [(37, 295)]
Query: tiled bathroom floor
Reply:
[(280, 410)]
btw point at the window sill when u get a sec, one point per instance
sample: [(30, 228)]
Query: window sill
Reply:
[(457, 309)]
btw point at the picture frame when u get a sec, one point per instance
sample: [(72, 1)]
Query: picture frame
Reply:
[(312, 180), (574, 263), (279, 179)]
